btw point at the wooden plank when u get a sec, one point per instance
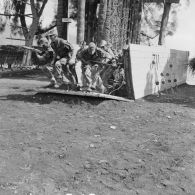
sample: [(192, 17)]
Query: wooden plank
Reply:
[(84, 94), (161, 1)]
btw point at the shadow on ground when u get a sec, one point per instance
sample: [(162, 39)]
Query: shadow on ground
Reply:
[(184, 95), (49, 98)]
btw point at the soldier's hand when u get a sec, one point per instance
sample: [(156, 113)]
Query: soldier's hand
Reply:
[(114, 64), (71, 61)]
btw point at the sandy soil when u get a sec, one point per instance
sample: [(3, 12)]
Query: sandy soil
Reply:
[(55, 145)]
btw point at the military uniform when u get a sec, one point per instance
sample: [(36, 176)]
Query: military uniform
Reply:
[(46, 59), (63, 53), (108, 70), (90, 68)]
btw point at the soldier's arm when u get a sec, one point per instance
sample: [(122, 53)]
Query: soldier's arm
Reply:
[(105, 56), (80, 56), (46, 57), (66, 45), (40, 57)]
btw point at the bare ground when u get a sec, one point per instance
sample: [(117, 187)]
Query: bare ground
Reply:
[(55, 145)]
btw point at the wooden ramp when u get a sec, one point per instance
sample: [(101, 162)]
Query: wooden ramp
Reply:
[(83, 94)]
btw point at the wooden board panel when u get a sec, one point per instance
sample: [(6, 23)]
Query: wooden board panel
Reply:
[(156, 68), (83, 94)]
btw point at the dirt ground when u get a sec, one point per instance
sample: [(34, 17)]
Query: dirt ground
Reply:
[(55, 145)]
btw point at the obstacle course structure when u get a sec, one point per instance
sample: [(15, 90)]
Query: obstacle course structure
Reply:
[(154, 69)]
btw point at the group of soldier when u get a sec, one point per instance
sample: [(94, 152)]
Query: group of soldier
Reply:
[(58, 63)]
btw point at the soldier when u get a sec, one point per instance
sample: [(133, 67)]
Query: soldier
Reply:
[(104, 45), (108, 70), (63, 59), (91, 59), (82, 46), (46, 59)]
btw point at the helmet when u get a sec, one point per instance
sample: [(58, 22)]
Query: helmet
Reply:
[(103, 43), (43, 40), (52, 32), (92, 45)]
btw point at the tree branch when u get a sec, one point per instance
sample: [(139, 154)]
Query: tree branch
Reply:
[(33, 8), (17, 26), (41, 31), (23, 20), (42, 8), (23, 1), (25, 15)]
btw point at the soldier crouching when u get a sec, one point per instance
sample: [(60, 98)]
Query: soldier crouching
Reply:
[(46, 59), (63, 60), (91, 59)]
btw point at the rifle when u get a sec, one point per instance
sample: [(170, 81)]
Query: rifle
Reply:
[(32, 49), (102, 63)]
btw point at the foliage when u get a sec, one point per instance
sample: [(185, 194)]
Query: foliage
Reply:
[(2, 24), (151, 20), (18, 8), (192, 65), (73, 9)]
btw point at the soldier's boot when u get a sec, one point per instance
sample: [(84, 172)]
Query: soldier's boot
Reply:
[(53, 84)]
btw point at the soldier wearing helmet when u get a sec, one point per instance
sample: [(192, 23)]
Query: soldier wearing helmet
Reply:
[(63, 56), (108, 70), (91, 58), (105, 46), (46, 60)]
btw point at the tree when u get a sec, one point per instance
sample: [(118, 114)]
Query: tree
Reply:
[(159, 20), (119, 21), (29, 31), (62, 12), (164, 22), (81, 21)]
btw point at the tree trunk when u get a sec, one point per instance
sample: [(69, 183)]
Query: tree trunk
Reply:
[(81, 21), (101, 19), (29, 34), (113, 22), (134, 24), (62, 12), (164, 22), (107, 23), (29, 42), (91, 20)]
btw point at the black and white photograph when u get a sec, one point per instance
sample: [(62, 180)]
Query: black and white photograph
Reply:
[(97, 97)]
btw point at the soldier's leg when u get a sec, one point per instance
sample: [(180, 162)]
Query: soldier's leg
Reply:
[(58, 72), (87, 76), (94, 75), (106, 75), (48, 70), (99, 84), (65, 71), (78, 71)]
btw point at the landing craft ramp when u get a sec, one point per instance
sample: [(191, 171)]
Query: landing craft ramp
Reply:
[(82, 94)]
